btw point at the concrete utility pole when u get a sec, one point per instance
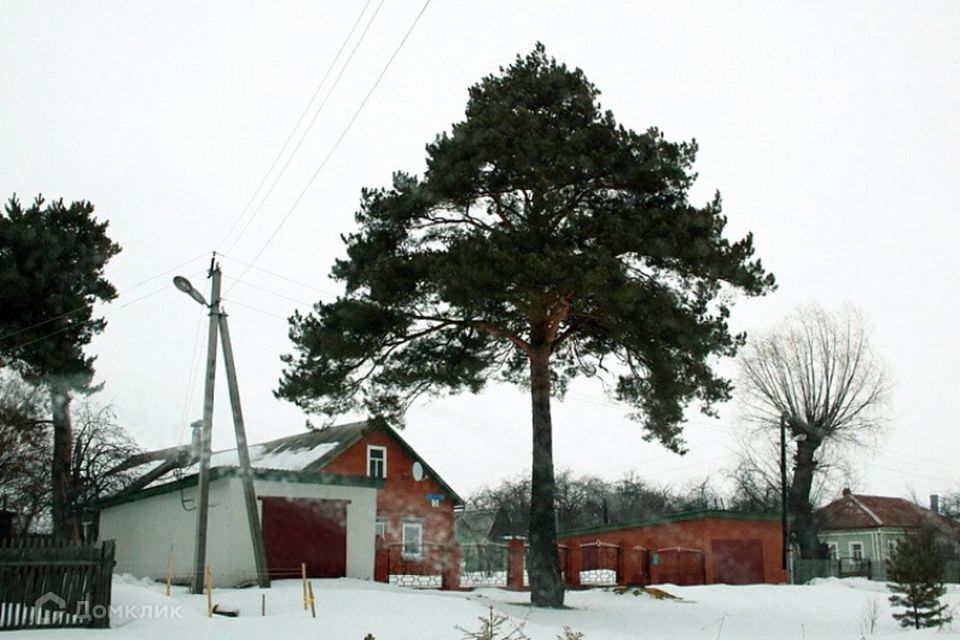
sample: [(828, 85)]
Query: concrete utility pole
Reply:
[(243, 455), (200, 540), (218, 321)]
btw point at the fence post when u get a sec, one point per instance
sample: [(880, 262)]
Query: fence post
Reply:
[(627, 567), (573, 564), (450, 580), (515, 560), (381, 568)]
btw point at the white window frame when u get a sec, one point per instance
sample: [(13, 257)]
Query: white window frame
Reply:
[(834, 550), (891, 547), (371, 448), (404, 539), (380, 528), (854, 547)]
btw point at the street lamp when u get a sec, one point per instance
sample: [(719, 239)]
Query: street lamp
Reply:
[(184, 285), (218, 324)]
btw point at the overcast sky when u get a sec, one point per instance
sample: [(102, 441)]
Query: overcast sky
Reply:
[(831, 129)]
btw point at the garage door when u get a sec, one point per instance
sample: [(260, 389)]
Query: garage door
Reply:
[(737, 561), (309, 530)]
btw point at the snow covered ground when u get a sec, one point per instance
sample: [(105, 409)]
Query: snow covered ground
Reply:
[(350, 609)]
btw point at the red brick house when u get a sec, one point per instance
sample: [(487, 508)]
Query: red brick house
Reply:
[(415, 520), (310, 488), (702, 547)]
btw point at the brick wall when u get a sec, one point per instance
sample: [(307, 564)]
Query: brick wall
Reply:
[(698, 533), (402, 497)]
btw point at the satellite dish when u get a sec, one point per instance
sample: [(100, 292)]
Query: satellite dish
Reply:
[(417, 471)]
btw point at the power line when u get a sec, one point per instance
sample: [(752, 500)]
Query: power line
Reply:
[(316, 114), (246, 306), (106, 313), (82, 307), (267, 290), (336, 144), (275, 274)]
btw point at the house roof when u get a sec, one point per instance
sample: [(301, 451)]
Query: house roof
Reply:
[(299, 477), (307, 452), (854, 511), (671, 518)]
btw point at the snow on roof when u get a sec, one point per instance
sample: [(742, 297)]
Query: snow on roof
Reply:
[(262, 456)]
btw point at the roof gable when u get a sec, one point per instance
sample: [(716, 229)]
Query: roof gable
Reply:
[(309, 451), (870, 512)]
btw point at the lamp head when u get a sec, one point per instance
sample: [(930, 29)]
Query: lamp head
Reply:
[(184, 285)]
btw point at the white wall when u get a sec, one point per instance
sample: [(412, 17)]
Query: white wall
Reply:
[(151, 530)]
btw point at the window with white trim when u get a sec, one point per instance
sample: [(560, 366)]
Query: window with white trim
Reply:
[(834, 551), (856, 551), (381, 527), (412, 540), (376, 461), (891, 548)]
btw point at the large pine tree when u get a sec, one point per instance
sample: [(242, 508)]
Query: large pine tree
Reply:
[(544, 242), (52, 260), (916, 575)]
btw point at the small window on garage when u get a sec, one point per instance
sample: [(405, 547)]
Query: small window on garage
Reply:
[(376, 461), (412, 540)]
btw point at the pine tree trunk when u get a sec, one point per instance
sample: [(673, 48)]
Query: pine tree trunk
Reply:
[(62, 447), (800, 507), (546, 580)]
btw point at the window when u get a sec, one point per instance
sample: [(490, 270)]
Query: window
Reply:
[(381, 527), (856, 551), (891, 548), (834, 552), (376, 461), (412, 540)]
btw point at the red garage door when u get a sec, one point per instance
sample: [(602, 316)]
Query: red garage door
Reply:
[(309, 530), (737, 561)]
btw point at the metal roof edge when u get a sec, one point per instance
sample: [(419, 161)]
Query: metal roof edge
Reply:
[(673, 517)]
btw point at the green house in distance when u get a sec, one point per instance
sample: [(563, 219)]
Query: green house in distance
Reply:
[(862, 532)]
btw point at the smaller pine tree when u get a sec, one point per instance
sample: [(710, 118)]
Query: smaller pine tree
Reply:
[(916, 572)]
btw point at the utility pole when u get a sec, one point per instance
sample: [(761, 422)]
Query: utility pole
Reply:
[(200, 549), (218, 321), (784, 526), (243, 455)]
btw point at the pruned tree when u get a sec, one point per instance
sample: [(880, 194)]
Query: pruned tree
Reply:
[(916, 579), (817, 372), (544, 242), (52, 260)]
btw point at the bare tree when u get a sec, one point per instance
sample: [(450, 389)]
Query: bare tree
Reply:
[(100, 446), (817, 372), (25, 449)]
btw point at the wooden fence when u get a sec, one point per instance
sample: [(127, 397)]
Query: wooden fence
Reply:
[(47, 583)]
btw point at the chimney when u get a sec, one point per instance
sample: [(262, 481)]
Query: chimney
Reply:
[(934, 503), (846, 491)]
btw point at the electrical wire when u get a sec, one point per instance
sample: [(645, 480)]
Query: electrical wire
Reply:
[(313, 120), (276, 275), (336, 144), (82, 307)]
